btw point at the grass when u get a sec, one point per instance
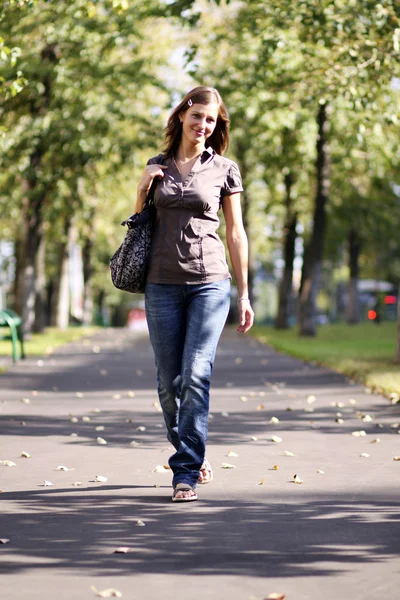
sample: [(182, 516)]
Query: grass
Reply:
[(43, 343), (364, 352)]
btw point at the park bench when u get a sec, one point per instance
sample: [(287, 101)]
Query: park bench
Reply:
[(11, 329)]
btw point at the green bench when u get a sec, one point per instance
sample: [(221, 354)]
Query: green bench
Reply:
[(11, 329)]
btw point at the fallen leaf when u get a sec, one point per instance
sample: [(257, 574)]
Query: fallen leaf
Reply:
[(287, 453), (320, 471), (103, 372), (261, 482), (395, 425), (109, 593), (131, 394), (309, 409), (297, 479), (339, 414), (340, 421), (238, 360), (139, 523), (358, 433), (367, 418), (8, 463), (100, 479), (74, 420), (46, 484), (261, 394), (34, 393), (339, 404), (100, 428), (311, 399), (394, 397), (260, 407), (96, 410), (73, 435), (275, 468), (40, 363), (375, 441), (396, 458), (157, 406), (352, 401), (96, 349), (25, 455), (101, 441), (254, 438), (224, 414), (276, 439), (77, 483), (4, 541), (139, 372), (86, 419), (63, 468), (134, 443), (367, 391), (227, 466), (276, 596), (210, 416), (122, 550), (243, 398), (364, 455), (274, 420), (79, 395), (117, 397), (141, 428), (231, 453), (160, 469)]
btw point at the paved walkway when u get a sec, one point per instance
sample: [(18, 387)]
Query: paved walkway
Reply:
[(252, 532)]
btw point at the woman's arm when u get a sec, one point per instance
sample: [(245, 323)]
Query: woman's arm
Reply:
[(236, 239), (145, 182)]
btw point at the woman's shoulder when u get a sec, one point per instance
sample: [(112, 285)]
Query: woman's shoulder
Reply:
[(155, 160), (225, 162)]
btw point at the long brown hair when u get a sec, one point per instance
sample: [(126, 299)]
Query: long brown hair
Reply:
[(219, 140)]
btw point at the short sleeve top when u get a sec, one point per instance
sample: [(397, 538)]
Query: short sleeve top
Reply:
[(186, 248)]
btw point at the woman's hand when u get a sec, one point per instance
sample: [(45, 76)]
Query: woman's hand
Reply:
[(145, 182), (148, 175), (246, 315)]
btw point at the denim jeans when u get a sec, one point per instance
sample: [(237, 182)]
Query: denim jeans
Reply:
[(185, 323)]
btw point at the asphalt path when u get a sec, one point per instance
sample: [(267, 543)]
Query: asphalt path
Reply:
[(253, 531)]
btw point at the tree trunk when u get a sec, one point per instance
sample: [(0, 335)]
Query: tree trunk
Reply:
[(61, 291), (353, 305), (40, 288), (289, 241), (31, 219), (87, 274), (313, 267)]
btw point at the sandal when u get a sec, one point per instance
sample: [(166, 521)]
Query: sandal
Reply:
[(208, 469), (183, 487)]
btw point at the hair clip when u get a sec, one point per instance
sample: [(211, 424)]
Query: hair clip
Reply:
[(190, 102)]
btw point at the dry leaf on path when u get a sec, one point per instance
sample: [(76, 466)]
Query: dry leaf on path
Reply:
[(227, 466), (46, 484), (375, 441), (77, 483), (238, 360), (63, 468), (276, 596), (86, 419), (261, 482), (274, 420), (134, 443), (101, 441), (141, 428), (131, 394), (311, 399), (100, 428), (243, 398), (79, 395), (231, 453), (367, 418), (320, 471), (109, 593), (297, 479), (275, 468), (260, 407), (8, 463), (100, 479), (254, 438), (224, 414), (122, 550), (74, 420), (358, 433), (25, 400), (396, 458), (160, 469), (25, 455), (139, 523), (364, 455), (4, 541), (276, 439)]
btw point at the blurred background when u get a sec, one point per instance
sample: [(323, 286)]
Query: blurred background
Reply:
[(313, 92)]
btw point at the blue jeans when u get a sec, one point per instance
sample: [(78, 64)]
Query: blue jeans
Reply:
[(185, 323)]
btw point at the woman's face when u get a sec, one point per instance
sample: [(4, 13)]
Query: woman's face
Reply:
[(198, 122)]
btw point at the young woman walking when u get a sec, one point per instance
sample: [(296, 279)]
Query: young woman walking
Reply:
[(187, 291)]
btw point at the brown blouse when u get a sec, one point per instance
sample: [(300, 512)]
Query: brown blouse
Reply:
[(186, 248)]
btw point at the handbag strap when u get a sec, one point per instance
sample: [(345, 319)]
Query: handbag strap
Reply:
[(149, 202)]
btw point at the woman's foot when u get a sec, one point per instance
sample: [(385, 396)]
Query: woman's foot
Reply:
[(206, 472), (183, 492)]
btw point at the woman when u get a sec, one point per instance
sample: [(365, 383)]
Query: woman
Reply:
[(188, 281)]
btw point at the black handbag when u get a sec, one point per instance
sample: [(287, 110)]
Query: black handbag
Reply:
[(129, 264)]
